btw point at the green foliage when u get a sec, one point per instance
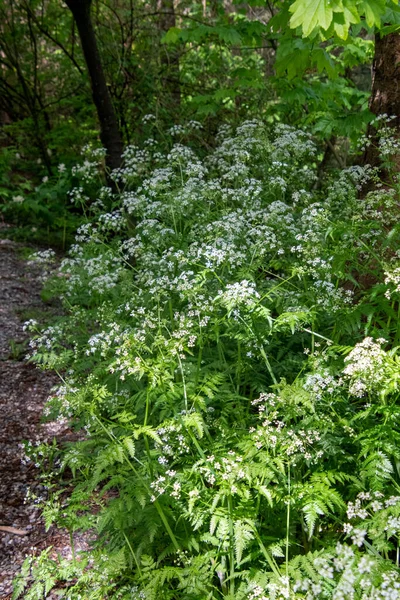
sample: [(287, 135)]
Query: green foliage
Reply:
[(42, 213), (337, 17), (207, 62)]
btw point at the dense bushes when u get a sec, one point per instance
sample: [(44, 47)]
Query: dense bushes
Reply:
[(229, 348)]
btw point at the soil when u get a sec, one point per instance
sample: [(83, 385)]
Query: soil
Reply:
[(23, 393)]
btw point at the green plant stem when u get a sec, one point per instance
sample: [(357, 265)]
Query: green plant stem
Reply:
[(232, 548), (166, 525), (133, 554), (183, 382), (238, 366), (287, 527), (267, 555), (146, 441), (199, 359), (270, 371)]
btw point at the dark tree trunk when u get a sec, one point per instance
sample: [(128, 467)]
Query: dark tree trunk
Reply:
[(109, 131), (385, 96), (169, 62)]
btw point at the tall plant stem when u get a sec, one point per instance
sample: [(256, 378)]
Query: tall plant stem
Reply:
[(287, 529), (238, 367), (270, 371), (199, 358), (270, 559), (183, 382), (166, 525), (146, 441), (72, 543), (231, 548), (133, 555)]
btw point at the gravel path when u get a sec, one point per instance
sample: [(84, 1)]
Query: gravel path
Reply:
[(23, 392)]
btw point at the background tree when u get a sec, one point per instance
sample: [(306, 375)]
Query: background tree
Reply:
[(307, 66), (385, 94), (109, 129), (325, 19), (169, 59)]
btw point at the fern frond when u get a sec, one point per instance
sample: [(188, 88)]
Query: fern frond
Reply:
[(243, 534)]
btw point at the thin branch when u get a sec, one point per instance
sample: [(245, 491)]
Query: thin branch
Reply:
[(52, 38), (64, 97)]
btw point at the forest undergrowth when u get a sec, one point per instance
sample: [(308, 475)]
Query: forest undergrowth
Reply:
[(230, 349)]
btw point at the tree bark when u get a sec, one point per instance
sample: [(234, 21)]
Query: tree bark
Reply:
[(109, 130), (385, 96), (169, 61)]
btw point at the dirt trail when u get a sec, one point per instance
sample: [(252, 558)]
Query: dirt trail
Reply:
[(23, 392)]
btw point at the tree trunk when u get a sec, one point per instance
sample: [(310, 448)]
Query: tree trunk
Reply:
[(169, 62), (109, 131), (385, 96)]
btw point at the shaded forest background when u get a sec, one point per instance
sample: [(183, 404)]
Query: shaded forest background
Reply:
[(69, 70)]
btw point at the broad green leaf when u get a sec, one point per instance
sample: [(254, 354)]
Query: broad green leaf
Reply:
[(324, 62), (293, 57), (373, 10), (230, 35), (225, 93), (341, 30), (391, 20), (309, 15), (324, 125), (172, 35), (350, 12), (390, 29)]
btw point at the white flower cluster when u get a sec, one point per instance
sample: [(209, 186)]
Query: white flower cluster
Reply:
[(43, 257), (228, 470), (392, 280), (30, 325), (347, 575), (173, 441), (105, 341), (257, 593), (291, 144), (238, 294), (114, 221), (293, 442), (77, 196), (87, 171), (365, 366), (164, 483), (99, 274), (320, 384), (135, 162), (48, 338), (94, 153), (148, 118), (386, 135), (136, 593)]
